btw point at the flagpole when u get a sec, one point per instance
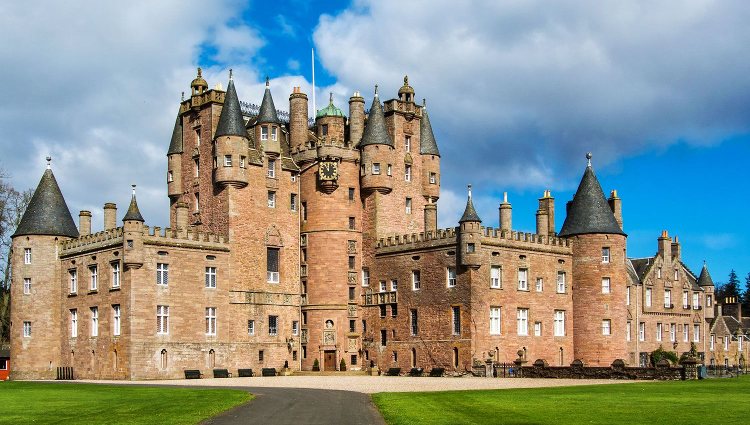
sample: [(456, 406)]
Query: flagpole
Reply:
[(313, 79)]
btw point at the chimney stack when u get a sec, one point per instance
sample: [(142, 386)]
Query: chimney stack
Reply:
[(84, 223), (615, 204), (665, 248), (506, 213), (110, 216), (676, 249)]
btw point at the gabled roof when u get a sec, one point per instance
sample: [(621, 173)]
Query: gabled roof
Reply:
[(641, 266), (47, 212), (375, 132), (175, 146), (267, 112), (133, 214), (470, 214), (427, 143), (589, 211), (231, 122), (705, 278)]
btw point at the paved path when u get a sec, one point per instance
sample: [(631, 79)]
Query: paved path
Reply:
[(295, 406)]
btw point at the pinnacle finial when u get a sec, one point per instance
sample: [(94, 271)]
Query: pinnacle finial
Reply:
[(182, 97), (49, 162), (133, 186), (230, 74), (199, 72), (424, 103), (469, 191), (268, 82), (376, 90), (406, 80), (588, 158), (330, 98)]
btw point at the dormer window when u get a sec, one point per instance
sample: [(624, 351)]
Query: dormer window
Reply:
[(264, 132)]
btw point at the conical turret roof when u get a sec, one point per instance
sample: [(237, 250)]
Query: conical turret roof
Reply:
[(133, 214), (589, 211), (231, 122), (427, 143), (175, 146), (375, 132), (47, 213), (267, 113), (705, 278), (470, 214)]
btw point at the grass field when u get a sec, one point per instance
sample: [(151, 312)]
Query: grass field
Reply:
[(715, 401), (52, 403)]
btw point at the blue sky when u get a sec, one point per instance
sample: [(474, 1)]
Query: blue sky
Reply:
[(518, 93)]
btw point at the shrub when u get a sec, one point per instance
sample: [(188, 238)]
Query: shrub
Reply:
[(342, 365), (316, 365), (660, 353)]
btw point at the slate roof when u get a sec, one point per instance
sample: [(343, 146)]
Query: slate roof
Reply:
[(641, 266), (589, 211), (705, 278), (427, 143), (47, 213), (133, 214), (267, 112), (175, 146), (231, 122), (470, 214), (375, 132)]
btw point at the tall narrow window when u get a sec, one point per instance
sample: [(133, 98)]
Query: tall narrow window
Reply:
[(73, 323), (685, 332), (116, 319), (673, 332), (271, 172), (522, 321), (271, 199), (210, 320), (264, 132), (196, 167), (351, 193), (495, 274), (456, 320), (388, 169), (27, 286), (324, 130), (210, 277), (667, 298), (365, 277), (641, 331), (94, 273), (627, 331), (559, 323), (251, 327), (685, 299), (375, 168), (451, 274), (295, 327), (383, 287), (94, 321), (352, 262), (523, 283), (27, 255), (407, 173), (274, 133), (433, 178), (273, 322), (352, 223), (27, 329), (696, 301), (606, 289), (293, 202), (115, 274), (162, 274), (414, 321), (627, 295), (272, 265), (606, 327), (394, 285), (415, 280), (537, 328), (560, 282), (658, 331), (494, 320), (73, 281), (539, 284), (605, 255), (407, 143), (227, 160), (162, 319), (408, 205), (648, 297), (243, 161)]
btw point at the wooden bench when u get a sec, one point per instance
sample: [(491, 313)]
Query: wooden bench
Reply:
[(437, 371), (193, 374), (268, 371), (394, 371), (222, 373), (416, 371), (245, 373)]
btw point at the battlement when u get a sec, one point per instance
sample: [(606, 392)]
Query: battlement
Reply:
[(324, 147), (527, 237), (417, 240), (92, 242)]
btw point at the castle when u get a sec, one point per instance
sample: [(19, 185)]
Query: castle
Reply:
[(315, 243)]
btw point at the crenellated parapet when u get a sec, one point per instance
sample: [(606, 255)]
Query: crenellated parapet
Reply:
[(325, 147), (184, 238), (417, 241), (92, 242)]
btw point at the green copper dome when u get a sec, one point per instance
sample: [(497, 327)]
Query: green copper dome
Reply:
[(330, 110)]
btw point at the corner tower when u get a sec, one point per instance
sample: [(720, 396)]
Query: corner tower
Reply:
[(430, 161), (470, 235), (231, 144), (599, 281)]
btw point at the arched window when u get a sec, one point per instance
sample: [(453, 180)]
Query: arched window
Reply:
[(211, 358), (164, 358), (561, 356), (455, 357)]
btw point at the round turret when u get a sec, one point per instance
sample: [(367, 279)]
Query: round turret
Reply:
[(378, 153), (430, 157), (297, 118), (470, 237), (174, 161), (406, 92), (330, 123), (356, 118), (231, 144)]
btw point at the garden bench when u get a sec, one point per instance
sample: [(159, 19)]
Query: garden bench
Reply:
[(416, 371), (245, 373), (437, 371), (222, 373), (193, 374), (394, 371), (268, 371)]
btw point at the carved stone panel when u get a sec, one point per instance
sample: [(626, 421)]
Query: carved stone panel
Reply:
[(351, 344), (352, 310), (352, 247), (329, 337), (352, 278)]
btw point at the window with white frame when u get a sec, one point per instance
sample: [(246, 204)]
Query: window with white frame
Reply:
[(696, 333), (211, 321), (726, 343), (408, 206), (456, 320), (606, 327), (433, 178), (27, 286), (394, 285), (709, 301), (274, 133), (94, 273), (673, 332), (495, 321), (162, 274), (389, 169), (227, 160), (365, 277), (407, 143), (696, 301), (27, 255), (451, 275), (415, 280), (251, 327), (170, 176), (74, 323), (685, 299), (383, 286), (116, 319), (539, 284), (559, 324), (210, 277), (375, 168), (271, 199), (605, 254), (94, 321), (522, 321), (162, 319), (658, 273), (711, 342), (523, 282), (115, 274), (272, 265), (414, 319), (407, 173), (73, 281), (264, 132), (667, 298), (627, 295), (561, 282), (606, 288), (641, 331), (295, 327), (648, 297), (537, 328), (676, 274), (271, 171), (658, 331), (739, 343), (293, 202), (196, 167), (273, 322), (243, 161), (685, 333), (27, 329), (495, 275), (627, 331)]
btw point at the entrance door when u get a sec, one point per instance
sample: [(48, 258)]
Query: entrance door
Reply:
[(329, 360)]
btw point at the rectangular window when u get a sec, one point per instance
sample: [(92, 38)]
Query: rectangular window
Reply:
[(658, 273), (627, 331), (394, 285), (27, 286), (537, 328), (648, 297), (408, 206), (351, 193), (658, 331), (696, 333), (407, 143), (407, 173), (495, 321), (264, 132), (559, 323), (673, 332), (382, 286), (251, 327), (388, 169), (415, 283), (394, 310), (352, 262), (560, 282), (162, 274), (94, 321), (522, 321), (451, 275), (685, 333), (685, 299), (667, 298), (304, 211), (243, 161), (539, 284), (676, 275), (710, 300), (456, 320), (375, 168), (197, 202), (352, 325), (73, 323), (606, 327), (711, 342), (272, 265), (274, 133), (293, 202), (295, 327), (523, 283), (116, 319), (27, 255), (211, 321), (726, 343), (433, 178), (115, 274), (605, 255), (27, 329), (271, 171), (414, 322), (696, 301), (605, 285), (227, 160), (197, 136), (351, 293), (162, 319), (495, 274), (470, 248), (382, 310), (210, 277), (73, 281), (365, 277), (260, 355), (641, 331), (352, 223), (196, 167), (627, 295), (170, 176), (324, 130), (271, 199), (383, 337), (94, 273), (273, 322)]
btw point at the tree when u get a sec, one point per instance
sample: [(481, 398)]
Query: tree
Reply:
[(731, 288), (746, 294)]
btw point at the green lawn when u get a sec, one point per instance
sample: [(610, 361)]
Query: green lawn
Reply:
[(715, 401), (63, 403)]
